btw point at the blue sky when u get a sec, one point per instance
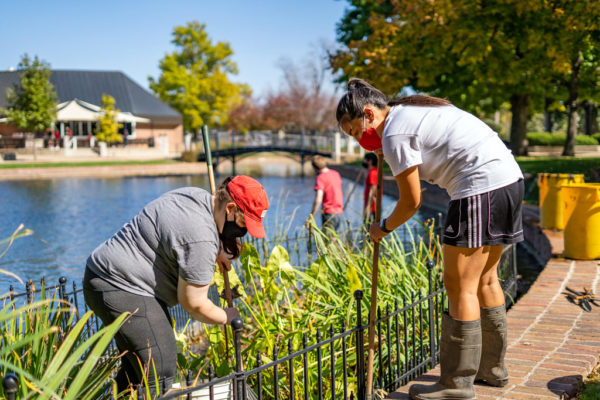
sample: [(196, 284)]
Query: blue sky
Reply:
[(132, 36)]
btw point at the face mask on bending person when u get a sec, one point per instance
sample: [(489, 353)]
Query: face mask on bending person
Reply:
[(370, 140), (232, 230)]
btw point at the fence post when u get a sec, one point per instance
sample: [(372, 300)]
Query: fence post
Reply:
[(239, 381), (62, 289), (432, 320), (28, 290), (62, 293), (360, 355), (10, 384)]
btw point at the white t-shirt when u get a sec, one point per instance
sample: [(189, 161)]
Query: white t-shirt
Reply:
[(452, 148)]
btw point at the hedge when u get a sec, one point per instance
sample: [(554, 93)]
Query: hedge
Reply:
[(558, 139)]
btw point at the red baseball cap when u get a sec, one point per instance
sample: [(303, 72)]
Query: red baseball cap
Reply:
[(251, 198)]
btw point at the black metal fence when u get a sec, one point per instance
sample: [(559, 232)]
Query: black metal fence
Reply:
[(329, 364), (407, 345)]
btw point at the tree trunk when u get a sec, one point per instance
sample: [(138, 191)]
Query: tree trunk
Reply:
[(548, 120), (519, 105), (590, 121), (572, 105)]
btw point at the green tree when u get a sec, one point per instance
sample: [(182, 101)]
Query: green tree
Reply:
[(32, 102), (108, 126), (478, 54), (574, 41), (195, 78)]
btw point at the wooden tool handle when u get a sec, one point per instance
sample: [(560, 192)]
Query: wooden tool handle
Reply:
[(213, 189), (374, 280)]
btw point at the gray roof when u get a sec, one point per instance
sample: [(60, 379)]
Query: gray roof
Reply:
[(90, 85)]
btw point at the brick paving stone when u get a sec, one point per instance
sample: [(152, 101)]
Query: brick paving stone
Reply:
[(552, 372), (547, 384), (530, 348), (523, 396), (490, 391), (569, 379), (518, 375), (539, 391), (564, 367), (515, 361), (570, 361)]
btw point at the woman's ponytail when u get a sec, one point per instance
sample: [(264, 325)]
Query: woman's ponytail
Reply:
[(360, 93)]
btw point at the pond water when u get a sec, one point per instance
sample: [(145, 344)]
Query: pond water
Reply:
[(70, 217)]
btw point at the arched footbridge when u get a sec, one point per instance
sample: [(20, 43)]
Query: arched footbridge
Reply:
[(225, 145)]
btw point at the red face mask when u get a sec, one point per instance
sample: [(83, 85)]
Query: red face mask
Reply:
[(370, 140)]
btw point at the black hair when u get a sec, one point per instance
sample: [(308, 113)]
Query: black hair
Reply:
[(360, 93), (371, 157), (222, 196)]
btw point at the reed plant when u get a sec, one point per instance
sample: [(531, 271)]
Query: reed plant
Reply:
[(55, 353)]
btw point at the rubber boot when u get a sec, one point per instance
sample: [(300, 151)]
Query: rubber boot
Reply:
[(460, 350), (493, 347)]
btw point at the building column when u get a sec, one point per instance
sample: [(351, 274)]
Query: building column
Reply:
[(337, 147)]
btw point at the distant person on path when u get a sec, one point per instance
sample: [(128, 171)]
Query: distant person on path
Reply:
[(423, 137), (164, 256), (125, 137), (370, 163), (328, 192)]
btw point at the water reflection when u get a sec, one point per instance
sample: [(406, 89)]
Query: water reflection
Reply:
[(70, 217)]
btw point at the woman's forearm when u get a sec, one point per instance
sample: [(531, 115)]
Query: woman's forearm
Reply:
[(409, 190), (207, 312), (401, 214)]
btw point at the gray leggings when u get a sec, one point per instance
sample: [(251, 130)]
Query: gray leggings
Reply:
[(146, 335)]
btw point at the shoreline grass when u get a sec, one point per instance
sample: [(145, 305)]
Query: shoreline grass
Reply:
[(85, 163)]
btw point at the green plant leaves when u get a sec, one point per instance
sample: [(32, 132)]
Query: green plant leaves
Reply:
[(353, 279), (51, 361)]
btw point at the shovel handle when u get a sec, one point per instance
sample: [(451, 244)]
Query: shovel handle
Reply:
[(374, 281), (213, 189), (208, 154)]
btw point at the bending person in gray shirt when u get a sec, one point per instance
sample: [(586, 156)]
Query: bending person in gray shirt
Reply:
[(167, 255)]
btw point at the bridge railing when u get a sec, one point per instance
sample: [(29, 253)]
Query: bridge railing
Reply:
[(226, 140), (334, 144)]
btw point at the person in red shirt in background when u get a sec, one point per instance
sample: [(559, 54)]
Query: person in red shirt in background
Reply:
[(328, 192), (370, 163)]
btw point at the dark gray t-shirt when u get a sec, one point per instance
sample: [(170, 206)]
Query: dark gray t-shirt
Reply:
[(174, 235)]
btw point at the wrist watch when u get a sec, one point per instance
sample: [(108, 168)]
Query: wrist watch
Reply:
[(382, 226)]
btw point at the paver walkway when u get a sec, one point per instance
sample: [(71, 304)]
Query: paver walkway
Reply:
[(552, 343)]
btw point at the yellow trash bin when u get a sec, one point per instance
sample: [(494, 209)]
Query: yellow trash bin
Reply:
[(582, 221), (551, 207)]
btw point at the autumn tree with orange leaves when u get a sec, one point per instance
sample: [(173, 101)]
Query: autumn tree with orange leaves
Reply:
[(300, 104)]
